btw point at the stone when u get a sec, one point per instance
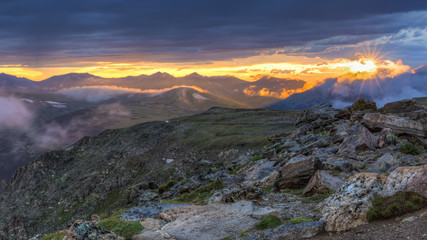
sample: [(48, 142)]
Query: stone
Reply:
[(152, 224), (321, 182), (409, 219), (386, 161), (363, 104), (214, 221), (261, 173), (402, 106), (347, 208), (378, 121), (149, 209), (387, 137), (407, 179), (153, 235), (360, 138), (95, 218), (81, 230), (236, 193), (291, 231), (297, 172)]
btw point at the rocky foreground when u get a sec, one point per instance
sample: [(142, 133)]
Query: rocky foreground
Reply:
[(339, 174)]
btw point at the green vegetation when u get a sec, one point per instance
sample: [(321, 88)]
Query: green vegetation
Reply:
[(227, 238), (396, 205), (120, 226), (113, 201), (199, 195), (165, 187), (267, 189), (268, 222), (391, 138), (299, 219), (54, 236), (410, 148)]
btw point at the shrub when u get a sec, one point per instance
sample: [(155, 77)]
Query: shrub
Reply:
[(54, 236), (299, 219), (396, 205), (410, 148), (121, 227), (268, 222), (165, 187)]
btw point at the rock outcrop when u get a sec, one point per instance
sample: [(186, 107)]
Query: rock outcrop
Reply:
[(297, 172), (407, 179), (398, 124), (347, 208)]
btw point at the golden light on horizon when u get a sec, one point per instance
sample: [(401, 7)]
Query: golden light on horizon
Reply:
[(311, 70)]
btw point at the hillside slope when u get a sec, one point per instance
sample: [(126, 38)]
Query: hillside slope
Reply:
[(113, 169)]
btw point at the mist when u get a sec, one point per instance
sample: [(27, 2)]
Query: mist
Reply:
[(14, 114), (103, 93), (405, 86)]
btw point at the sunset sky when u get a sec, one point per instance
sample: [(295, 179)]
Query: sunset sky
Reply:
[(309, 40)]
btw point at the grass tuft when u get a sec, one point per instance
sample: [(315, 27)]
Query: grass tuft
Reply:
[(268, 222), (54, 236), (299, 219), (120, 226), (396, 205), (410, 148)]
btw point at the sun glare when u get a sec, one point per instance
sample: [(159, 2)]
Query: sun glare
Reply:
[(363, 65)]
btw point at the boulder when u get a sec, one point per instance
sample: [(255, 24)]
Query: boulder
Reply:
[(261, 173), (363, 104), (386, 161), (387, 137), (402, 106), (214, 221), (407, 179), (378, 121), (359, 138), (297, 172), (81, 229), (291, 231), (321, 182), (347, 208), (236, 193)]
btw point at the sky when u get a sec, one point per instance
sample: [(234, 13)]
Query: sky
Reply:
[(298, 39)]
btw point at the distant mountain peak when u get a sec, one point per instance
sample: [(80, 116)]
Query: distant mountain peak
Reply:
[(194, 74), (162, 74)]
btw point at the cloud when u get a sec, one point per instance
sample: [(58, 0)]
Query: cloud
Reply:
[(14, 114), (102, 93), (342, 92), (59, 133), (43, 31)]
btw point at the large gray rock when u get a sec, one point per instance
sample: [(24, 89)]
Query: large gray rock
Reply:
[(396, 123), (386, 161), (347, 208), (297, 172), (81, 230), (407, 179), (291, 231), (359, 138), (236, 193), (214, 221), (321, 182), (261, 173)]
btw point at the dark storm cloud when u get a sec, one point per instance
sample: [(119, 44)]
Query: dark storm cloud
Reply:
[(161, 30)]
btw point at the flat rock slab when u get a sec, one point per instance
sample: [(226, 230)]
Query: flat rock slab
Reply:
[(214, 221), (148, 210), (295, 231)]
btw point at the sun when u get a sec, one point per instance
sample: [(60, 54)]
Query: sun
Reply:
[(363, 65)]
